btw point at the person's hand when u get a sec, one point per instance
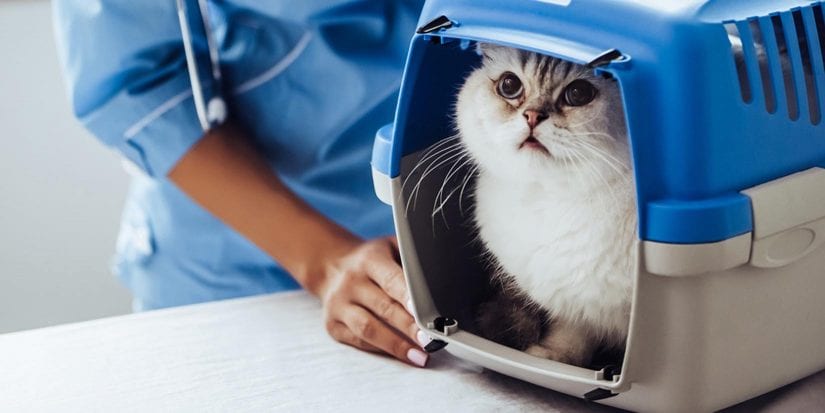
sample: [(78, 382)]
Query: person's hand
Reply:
[(364, 296)]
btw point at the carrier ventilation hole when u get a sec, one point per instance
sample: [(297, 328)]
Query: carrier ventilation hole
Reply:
[(795, 49), (819, 20), (739, 59), (764, 65), (785, 64), (806, 53)]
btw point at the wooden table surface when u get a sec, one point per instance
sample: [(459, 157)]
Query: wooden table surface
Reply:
[(262, 354)]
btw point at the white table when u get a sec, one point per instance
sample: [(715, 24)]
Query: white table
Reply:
[(262, 354)]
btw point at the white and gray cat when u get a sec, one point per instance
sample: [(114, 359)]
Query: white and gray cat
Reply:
[(555, 205)]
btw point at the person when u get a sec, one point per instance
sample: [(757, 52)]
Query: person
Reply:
[(277, 197)]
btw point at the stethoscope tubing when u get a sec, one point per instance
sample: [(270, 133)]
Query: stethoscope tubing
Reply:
[(210, 113)]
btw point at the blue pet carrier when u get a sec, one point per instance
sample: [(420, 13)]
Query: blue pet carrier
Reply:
[(724, 102)]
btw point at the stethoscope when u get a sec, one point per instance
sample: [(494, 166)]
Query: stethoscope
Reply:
[(213, 112)]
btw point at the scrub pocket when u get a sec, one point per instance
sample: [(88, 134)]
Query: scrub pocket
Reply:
[(135, 242)]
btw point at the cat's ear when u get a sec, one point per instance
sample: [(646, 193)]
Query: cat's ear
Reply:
[(487, 50), (480, 48)]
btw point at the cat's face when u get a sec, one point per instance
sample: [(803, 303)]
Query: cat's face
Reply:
[(526, 116)]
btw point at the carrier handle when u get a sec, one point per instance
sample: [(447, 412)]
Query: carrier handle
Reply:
[(381, 158)]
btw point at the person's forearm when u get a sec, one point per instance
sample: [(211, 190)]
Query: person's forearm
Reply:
[(360, 283), (226, 175)]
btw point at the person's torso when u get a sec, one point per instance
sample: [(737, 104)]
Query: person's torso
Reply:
[(311, 82)]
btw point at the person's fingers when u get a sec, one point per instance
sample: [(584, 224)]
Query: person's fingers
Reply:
[(368, 328), (385, 272), (396, 253), (385, 308), (340, 332)]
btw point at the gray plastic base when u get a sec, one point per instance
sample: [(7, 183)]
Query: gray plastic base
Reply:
[(708, 328)]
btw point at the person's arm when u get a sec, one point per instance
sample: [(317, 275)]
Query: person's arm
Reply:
[(123, 61), (360, 283)]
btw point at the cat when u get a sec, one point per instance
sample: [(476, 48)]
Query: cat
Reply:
[(554, 202)]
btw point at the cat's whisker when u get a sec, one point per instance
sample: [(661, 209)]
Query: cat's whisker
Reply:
[(610, 160), (567, 165), (462, 161), (577, 161), (582, 167), (440, 144), (427, 159), (431, 168), (446, 156), (610, 188), (466, 181), (594, 152), (601, 134), (586, 122), (601, 151), (440, 207), (434, 151)]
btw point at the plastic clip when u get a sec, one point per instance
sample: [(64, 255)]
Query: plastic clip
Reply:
[(604, 59), (434, 346), (599, 394), (440, 22)]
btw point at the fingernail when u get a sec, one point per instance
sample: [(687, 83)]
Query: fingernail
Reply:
[(417, 357), (409, 305), (423, 338)]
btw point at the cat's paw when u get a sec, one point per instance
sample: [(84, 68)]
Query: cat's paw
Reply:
[(539, 351), (562, 355)]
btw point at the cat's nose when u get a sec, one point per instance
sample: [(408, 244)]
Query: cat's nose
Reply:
[(534, 117)]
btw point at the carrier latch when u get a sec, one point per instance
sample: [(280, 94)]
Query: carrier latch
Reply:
[(788, 218)]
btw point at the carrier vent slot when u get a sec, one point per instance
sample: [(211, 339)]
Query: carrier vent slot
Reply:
[(737, 47), (778, 54), (819, 18), (807, 56), (819, 22), (785, 63), (764, 65)]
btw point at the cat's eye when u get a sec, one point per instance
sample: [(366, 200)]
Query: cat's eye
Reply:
[(509, 86), (579, 93)]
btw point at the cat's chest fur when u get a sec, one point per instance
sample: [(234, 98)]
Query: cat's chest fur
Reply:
[(569, 250)]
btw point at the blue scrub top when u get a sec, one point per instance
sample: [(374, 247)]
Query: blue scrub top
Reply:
[(310, 80)]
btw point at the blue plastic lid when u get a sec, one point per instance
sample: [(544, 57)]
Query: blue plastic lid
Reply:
[(700, 132)]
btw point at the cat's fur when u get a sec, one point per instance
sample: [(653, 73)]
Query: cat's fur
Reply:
[(559, 224)]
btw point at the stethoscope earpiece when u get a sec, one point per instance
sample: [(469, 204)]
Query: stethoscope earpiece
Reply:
[(216, 111)]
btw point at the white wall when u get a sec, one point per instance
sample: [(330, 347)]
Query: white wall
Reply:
[(61, 192)]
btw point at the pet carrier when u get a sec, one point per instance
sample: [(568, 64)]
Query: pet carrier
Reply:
[(724, 102)]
